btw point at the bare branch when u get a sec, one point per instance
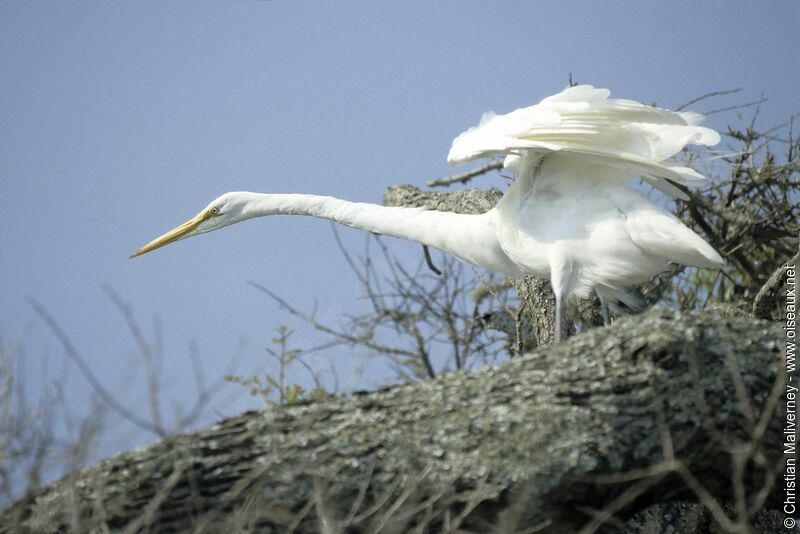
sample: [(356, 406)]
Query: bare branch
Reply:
[(465, 177), (87, 373), (707, 96)]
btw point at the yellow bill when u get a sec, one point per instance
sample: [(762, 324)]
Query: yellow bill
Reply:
[(175, 234)]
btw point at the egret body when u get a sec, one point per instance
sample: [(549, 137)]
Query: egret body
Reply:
[(568, 216)]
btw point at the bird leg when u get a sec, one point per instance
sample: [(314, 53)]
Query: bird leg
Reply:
[(604, 312), (560, 272), (557, 325)]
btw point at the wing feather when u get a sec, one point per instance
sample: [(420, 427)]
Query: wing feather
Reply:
[(625, 134)]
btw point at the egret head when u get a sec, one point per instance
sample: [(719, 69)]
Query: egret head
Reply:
[(223, 211)]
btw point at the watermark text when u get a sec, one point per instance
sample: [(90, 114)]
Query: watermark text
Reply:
[(790, 503)]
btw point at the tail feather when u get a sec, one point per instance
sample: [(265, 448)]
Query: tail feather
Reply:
[(664, 235)]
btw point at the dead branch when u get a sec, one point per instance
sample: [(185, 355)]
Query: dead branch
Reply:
[(465, 177)]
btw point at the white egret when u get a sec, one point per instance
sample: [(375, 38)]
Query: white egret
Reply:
[(567, 217)]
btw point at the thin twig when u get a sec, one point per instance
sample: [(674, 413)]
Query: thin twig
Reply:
[(87, 373), (705, 96), (465, 177), (735, 107), (428, 260)]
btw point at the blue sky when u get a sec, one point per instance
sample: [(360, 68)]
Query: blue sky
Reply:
[(121, 120)]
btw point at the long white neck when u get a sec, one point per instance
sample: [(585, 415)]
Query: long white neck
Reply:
[(472, 238)]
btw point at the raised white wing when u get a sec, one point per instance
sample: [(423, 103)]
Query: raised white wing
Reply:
[(624, 134)]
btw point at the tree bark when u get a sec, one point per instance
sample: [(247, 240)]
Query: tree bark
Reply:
[(585, 434)]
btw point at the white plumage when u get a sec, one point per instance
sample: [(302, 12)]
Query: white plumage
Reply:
[(623, 134), (568, 216)]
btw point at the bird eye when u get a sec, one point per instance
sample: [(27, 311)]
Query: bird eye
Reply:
[(214, 211)]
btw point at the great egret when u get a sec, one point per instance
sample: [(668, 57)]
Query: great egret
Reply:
[(568, 216)]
